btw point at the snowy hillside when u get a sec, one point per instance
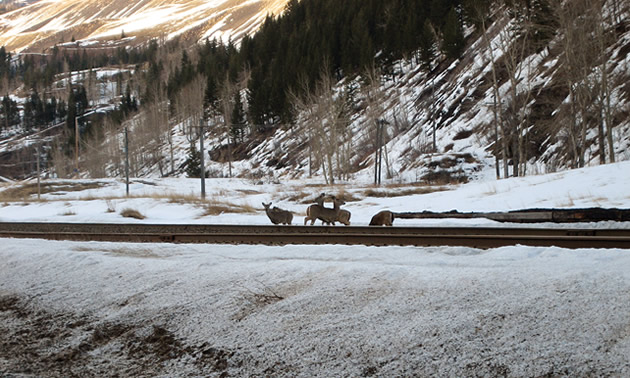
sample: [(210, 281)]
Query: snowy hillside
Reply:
[(45, 23), (94, 309), (457, 100)]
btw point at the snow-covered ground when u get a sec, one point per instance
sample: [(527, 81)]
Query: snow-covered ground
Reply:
[(94, 309)]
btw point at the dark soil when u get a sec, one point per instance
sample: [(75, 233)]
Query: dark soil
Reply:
[(61, 344)]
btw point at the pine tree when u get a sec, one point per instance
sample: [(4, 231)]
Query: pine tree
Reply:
[(427, 45), (453, 43), (193, 163)]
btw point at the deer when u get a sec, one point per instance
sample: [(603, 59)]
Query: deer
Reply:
[(325, 214), (382, 218), (343, 217), (277, 215)]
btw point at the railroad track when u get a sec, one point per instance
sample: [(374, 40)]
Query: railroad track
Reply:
[(478, 237)]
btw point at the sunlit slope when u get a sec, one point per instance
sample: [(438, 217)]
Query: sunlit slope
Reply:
[(49, 22)]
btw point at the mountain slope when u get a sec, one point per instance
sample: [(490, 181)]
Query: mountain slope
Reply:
[(48, 22)]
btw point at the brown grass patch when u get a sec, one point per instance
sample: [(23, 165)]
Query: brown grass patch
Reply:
[(180, 198), (347, 196), (300, 197), (26, 191), (218, 208), (248, 191), (445, 177), (380, 193)]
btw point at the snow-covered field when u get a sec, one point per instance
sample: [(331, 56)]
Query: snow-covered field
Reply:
[(94, 309)]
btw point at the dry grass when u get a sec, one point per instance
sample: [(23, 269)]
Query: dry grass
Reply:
[(248, 192), (383, 193), (567, 202), (179, 198), (214, 207), (26, 192), (299, 197), (131, 213)]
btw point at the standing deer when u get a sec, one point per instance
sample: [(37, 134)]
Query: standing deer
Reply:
[(325, 214), (382, 218), (277, 215), (343, 217)]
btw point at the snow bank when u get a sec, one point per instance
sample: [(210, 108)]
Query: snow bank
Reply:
[(338, 310)]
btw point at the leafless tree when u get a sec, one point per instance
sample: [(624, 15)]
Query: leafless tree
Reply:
[(190, 106), (479, 12), (583, 54), (374, 102), (228, 91), (323, 113)]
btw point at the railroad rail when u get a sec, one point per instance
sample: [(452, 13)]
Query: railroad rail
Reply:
[(478, 237)]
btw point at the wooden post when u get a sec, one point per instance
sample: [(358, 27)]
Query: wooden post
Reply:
[(127, 160), (39, 189), (203, 160)]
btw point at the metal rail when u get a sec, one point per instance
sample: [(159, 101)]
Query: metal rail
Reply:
[(478, 237)]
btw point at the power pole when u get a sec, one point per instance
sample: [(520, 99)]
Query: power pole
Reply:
[(203, 160), (378, 147), (127, 160), (39, 189), (76, 145), (433, 115), (378, 154)]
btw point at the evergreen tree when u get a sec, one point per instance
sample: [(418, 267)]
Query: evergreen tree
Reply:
[(9, 113), (33, 111), (193, 163), (427, 45), (453, 43)]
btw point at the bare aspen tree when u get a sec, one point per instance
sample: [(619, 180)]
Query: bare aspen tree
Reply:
[(228, 91), (515, 45), (156, 126), (329, 128), (61, 164), (580, 54), (603, 37), (159, 110), (305, 110), (190, 106), (374, 98), (479, 13), (323, 113), (113, 148), (91, 87)]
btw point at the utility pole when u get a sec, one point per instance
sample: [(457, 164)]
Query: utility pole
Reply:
[(433, 115), (376, 143), (76, 145), (39, 188), (378, 154), (127, 159), (202, 160)]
